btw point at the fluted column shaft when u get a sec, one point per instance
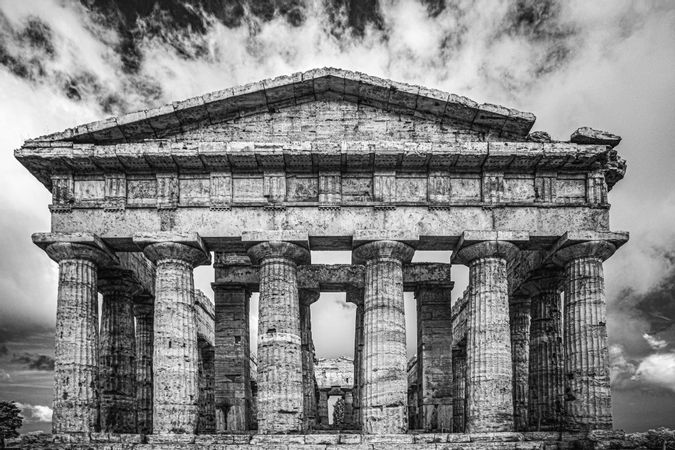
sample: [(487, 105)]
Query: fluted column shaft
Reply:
[(307, 297), (280, 383), (355, 296), (489, 400), (587, 390), (76, 378), (175, 350), (206, 423), (117, 360), (322, 407), (519, 312), (546, 352), (458, 390), (384, 401), (144, 350)]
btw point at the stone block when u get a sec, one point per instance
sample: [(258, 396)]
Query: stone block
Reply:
[(351, 439), (322, 439)]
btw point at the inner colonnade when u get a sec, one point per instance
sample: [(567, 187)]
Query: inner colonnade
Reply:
[(501, 359)]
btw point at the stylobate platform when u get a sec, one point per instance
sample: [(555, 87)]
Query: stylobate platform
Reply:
[(596, 439)]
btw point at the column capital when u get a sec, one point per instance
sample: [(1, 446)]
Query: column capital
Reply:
[(541, 280), (589, 249), (476, 244), (187, 247), (383, 249), (173, 250), (118, 280), (486, 249), (308, 296), (279, 249), (144, 309), (519, 298), (438, 288), (60, 251)]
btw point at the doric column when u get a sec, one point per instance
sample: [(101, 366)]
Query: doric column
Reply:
[(307, 297), (489, 373), (144, 336), (349, 410), (280, 394), (207, 403), (434, 359), (322, 408), (76, 378), (458, 389), (519, 313), (546, 351), (117, 358), (175, 352), (355, 296), (233, 350), (384, 402), (587, 392)]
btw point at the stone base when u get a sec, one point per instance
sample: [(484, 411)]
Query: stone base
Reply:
[(328, 441)]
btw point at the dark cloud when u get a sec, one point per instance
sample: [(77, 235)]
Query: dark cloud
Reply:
[(34, 361)]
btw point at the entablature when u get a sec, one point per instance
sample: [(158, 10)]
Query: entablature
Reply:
[(378, 174)]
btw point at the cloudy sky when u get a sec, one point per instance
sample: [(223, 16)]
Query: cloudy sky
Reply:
[(608, 64)]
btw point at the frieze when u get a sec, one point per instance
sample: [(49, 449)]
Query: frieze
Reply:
[(329, 189)]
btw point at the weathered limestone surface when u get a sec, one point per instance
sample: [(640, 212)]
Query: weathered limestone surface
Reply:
[(76, 376), (205, 318), (117, 357), (233, 368), (384, 394), (434, 357), (355, 296), (307, 297), (331, 277), (206, 422), (322, 408), (336, 157), (323, 225), (587, 135), (145, 313), (489, 373), (175, 356), (546, 363), (338, 440), (459, 389), (587, 391), (280, 393), (519, 316)]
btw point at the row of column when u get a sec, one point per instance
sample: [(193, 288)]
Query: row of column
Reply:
[(527, 367), (285, 403), (563, 359), (140, 377)]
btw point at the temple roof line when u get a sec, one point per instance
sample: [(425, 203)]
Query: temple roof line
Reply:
[(314, 85)]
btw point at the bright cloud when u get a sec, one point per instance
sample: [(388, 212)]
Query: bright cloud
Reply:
[(658, 369), (654, 343), (35, 413)]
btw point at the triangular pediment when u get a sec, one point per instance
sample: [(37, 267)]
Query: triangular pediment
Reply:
[(270, 96)]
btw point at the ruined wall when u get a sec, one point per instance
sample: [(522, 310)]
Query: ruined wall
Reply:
[(334, 372)]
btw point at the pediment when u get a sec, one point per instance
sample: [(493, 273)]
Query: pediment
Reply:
[(366, 96)]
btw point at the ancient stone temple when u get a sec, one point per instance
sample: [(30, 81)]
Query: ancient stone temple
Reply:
[(255, 177)]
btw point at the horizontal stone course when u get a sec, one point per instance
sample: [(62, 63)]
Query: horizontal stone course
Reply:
[(333, 441)]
